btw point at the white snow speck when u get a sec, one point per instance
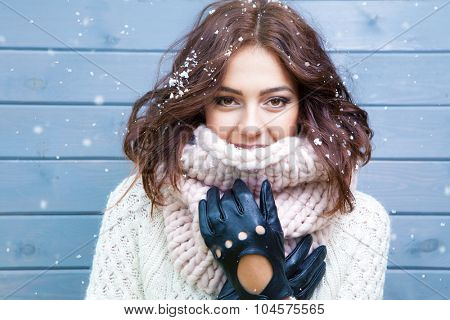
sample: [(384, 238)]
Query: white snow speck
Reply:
[(43, 204), (78, 256), (355, 76), (307, 64), (447, 191), (423, 275), (106, 170), (442, 248), (317, 141), (184, 74), (87, 142), (217, 31), (99, 99), (442, 224), (393, 211), (7, 249), (91, 73), (94, 124), (240, 39), (38, 129)]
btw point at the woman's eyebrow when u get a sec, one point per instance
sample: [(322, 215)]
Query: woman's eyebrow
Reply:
[(262, 92)]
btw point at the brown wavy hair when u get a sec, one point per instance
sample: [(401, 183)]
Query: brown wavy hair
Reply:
[(163, 119)]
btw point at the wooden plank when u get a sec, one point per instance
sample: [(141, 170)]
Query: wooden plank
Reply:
[(72, 284), (43, 285), (64, 131), (419, 241), (417, 285), (49, 186), (410, 132), (73, 186), (346, 25), (120, 78), (60, 241), (58, 132), (38, 241), (408, 186)]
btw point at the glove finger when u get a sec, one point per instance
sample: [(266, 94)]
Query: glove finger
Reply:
[(268, 207), (244, 197), (309, 267), (309, 288), (297, 255), (229, 205), (213, 207), (228, 292), (205, 226)]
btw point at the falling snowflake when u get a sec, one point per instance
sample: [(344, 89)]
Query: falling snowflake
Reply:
[(87, 142), (317, 141), (99, 100), (43, 204), (38, 129)]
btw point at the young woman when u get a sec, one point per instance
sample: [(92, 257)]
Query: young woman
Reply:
[(252, 111)]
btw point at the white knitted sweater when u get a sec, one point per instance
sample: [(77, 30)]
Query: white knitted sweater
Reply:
[(131, 259)]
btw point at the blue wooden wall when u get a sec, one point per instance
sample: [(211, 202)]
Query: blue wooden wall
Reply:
[(70, 70)]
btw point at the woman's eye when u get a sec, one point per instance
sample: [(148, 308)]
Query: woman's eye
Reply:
[(280, 102), (277, 102), (227, 100)]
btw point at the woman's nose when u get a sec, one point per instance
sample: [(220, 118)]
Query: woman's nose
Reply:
[(250, 124)]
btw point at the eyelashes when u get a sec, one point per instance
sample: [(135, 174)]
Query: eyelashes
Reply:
[(283, 100)]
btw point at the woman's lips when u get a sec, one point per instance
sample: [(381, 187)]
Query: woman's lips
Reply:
[(245, 146)]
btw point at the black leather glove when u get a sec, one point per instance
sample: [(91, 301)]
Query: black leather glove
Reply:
[(304, 275), (223, 219)]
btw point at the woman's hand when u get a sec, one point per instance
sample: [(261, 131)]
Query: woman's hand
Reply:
[(304, 275), (234, 226)]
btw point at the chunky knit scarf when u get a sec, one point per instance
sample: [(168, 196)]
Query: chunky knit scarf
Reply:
[(298, 181)]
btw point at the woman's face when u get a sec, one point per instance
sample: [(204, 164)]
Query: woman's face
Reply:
[(257, 103)]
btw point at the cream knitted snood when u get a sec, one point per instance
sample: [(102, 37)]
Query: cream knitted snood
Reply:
[(298, 183)]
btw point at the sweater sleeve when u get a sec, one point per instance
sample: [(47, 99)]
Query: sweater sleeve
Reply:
[(115, 267), (365, 275)]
